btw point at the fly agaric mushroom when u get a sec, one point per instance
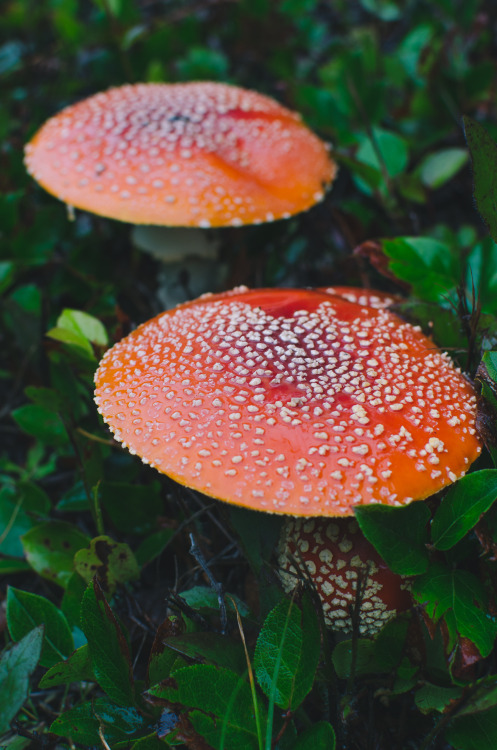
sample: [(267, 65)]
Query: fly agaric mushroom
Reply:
[(297, 402), (185, 154), (182, 155), (290, 401)]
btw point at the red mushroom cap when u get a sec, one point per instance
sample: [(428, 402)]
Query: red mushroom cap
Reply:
[(193, 154), (290, 401), (337, 557)]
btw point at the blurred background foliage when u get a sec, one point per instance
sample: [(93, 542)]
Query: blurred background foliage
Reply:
[(387, 83)]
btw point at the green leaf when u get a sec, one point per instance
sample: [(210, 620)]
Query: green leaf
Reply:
[(435, 697), (110, 561), (72, 339), (210, 647), (223, 694), (320, 735), (393, 149), (482, 698), (473, 732), (17, 663), (110, 656), (42, 423), (81, 724), (427, 264), (398, 534), (50, 549), (484, 157), (461, 595), (287, 653), (204, 597), (84, 325), (71, 601), (74, 669), (462, 507), (439, 167), (25, 611)]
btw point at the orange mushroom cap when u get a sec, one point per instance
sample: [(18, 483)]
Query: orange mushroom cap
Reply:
[(336, 555), (290, 401), (193, 154)]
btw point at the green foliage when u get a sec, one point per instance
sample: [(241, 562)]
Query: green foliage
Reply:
[(400, 535), (110, 658), (287, 653), (484, 156), (17, 663), (26, 611)]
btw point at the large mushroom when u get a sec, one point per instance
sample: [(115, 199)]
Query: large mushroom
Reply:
[(297, 402), (181, 155)]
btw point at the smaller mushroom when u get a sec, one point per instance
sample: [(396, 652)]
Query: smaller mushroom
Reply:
[(345, 571), (188, 155)]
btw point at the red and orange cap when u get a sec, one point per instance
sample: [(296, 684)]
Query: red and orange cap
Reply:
[(290, 401), (186, 154)]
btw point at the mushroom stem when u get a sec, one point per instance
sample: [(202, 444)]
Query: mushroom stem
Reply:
[(352, 581)]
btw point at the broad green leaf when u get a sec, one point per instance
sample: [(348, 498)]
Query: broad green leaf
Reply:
[(83, 324), (287, 653), (398, 534), (435, 697), (72, 339), (489, 359), (25, 611), (81, 723), (212, 648), (429, 265), (76, 668), (17, 663), (42, 423), (484, 157), (50, 549), (439, 167), (392, 147), (461, 595), (320, 735), (109, 651), (462, 507), (112, 562), (204, 597), (71, 601), (223, 694), (482, 698), (474, 731)]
